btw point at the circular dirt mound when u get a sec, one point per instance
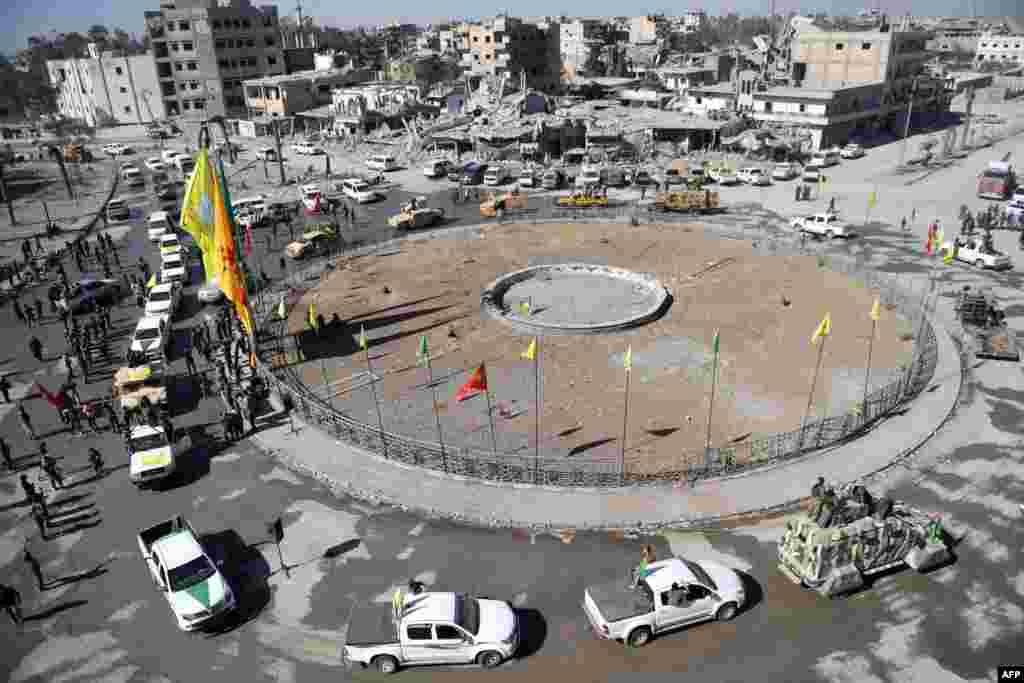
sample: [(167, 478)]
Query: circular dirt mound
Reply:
[(765, 307), (575, 298)]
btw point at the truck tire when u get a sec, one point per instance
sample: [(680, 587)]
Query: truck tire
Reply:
[(489, 659), (639, 637), (979, 263), (386, 664), (830, 234), (726, 612)]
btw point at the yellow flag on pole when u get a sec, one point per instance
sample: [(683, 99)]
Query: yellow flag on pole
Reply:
[(151, 283), (311, 316), (524, 307), (363, 343), (197, 212), (531, 352), (824, 328), (876, 311), (872, 199), (627, 360), (226, 270)]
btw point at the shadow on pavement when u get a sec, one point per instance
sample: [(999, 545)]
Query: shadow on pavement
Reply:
[(75, 529), (75, 578), (56, 609), (533, 631), (246, 571), (753, 590)]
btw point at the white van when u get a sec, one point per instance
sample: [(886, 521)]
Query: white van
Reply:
[(824, 159), (381, 162), (255, 204), (169, 155), (157, 225), (495, 175), (132, 177)]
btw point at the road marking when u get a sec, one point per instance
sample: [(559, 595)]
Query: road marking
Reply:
[(405, 554), (418, 529)]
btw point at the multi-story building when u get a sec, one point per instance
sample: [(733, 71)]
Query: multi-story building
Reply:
[(693, 20), (507, 45), (105, 87), (424, 68), (1000, 49), (579, 41), (290, 94), (644, 29), (823, 57), (204, 49)]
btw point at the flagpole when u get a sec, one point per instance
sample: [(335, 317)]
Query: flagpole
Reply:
[(920, 328), (711, 404), (327, 391), (625, 418), (437, 417), (373, 388), (814, 382), (536, 425), (867, 371), (490, 416)]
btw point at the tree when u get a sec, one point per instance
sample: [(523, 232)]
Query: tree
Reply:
[(98, 32)]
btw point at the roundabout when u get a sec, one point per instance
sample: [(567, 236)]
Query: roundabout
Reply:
[(661, 290)]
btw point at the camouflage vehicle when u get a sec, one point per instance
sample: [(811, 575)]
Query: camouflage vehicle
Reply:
[(131, 384), (850, 536)]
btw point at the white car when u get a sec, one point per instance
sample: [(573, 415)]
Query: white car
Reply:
[(266, 154), (151, 337), (175, 268), (210, 292), (163, 300), (972, 250), (150, 455), (157, 225), (194, 587), (306, 149), (116, 149), (811, 174), (432, 628), (753, 176), (786, 171), (826, 224), (723, 176), (674, 593), (170, 244), (169, 155), (437, 168), (359, 190), (588, 177), (382, 162), (1015, 207), (851, 151), (155, 164)]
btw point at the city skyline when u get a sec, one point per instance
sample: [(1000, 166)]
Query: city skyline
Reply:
[(30, 18)]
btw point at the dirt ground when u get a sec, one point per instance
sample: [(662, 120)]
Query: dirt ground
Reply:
[(766, 308)]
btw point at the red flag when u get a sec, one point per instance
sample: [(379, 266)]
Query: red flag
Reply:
[(248, 238), (55, 400), (477, 383)]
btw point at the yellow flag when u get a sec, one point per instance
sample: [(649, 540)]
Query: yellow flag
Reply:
[(282, 312), (152, 281), (531, 351), (940, 237), (950, 254), (197, 209), (397, 600), (363, 343), (824, 328), (311, 315), (226, 270), (524, 307), (876, 311), (627, 360), (872, 199)]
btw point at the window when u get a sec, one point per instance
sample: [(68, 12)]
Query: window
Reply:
[(802, 108), (270, 41), (192, 66), (178, 66), (418, 632), (219, 44), (867, 46), (183, 26), (193, 85), (186, 106), (187, 45), (768, 107), (215, 24), (199, 104), (124, 89), (447, 632), (271, 61), (127, 110), (839, 46)]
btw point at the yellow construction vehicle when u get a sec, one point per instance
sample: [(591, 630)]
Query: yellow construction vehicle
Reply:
[(76, 152), (510, 200), (582, 200), (691, 201)]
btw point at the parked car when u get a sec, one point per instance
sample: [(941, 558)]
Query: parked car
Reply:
[(642, 177), (131, 385), (723, 175), (827, 224), (671, 176), (151, 337), (175, 268), (824, 159), (116, 149), (117, 210), (851, 151), (973, 250), (437, 168), (382, 162), (196, 591), (432, 628), (169, 245), (496, 175), (676, 592), (312, 243), (155, 164), (266, 154), (163, 299), (210, 292), (527, 178), (184, 163), (552, 179), (157, 225), (169, 155), (306, 149), (589, 177), (812, 174), (131, 176), (87, 293), (786, 171), (359, 190), (753, 176)]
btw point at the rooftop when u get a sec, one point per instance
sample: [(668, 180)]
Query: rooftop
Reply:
[(823, 92), (178, 548), (430, 607), (298, 76)]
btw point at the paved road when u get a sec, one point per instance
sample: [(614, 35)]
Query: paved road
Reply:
[(955, 624)]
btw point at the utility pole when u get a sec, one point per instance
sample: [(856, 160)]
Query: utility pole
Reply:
[(3, 194), (906, 128), (277, 139), (131, 84)]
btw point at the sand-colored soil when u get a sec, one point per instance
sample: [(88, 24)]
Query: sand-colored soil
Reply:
[(766, 308)]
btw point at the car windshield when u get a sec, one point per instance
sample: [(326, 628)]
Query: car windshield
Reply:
[(190, 573), (467, 613), (359, 187), (701, 575), (148, 442), (995, 173), (160, 296), (115, 204), (147, 333)]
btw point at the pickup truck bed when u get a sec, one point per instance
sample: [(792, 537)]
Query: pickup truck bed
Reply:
[(371, 625), (158, 531), (617, 602)]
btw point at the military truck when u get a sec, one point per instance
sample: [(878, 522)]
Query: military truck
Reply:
[(693, 201), (132, 384), (850, 536)]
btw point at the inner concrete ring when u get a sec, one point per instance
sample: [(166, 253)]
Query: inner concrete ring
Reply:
[(625, 299)]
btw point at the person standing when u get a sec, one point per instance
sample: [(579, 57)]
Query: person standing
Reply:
[(26, 421), (115, 422), (96, 460), (89, 411), (68, 365), (39, 517), (35, 568), (5, 453), (31, 493), (190, 361), (36, 347), (11, 600), (5, 388), (39, 308)]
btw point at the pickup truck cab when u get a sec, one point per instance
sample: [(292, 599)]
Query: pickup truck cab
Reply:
[(496, 175), (973, 250), (132, 176), (437, 168), (157, 225), (195, 589), (163, 299), (117, 210), (175, 268), (151, 336), (674, 593), (826, 224), (359, 191), (432, 628), (150, 455)]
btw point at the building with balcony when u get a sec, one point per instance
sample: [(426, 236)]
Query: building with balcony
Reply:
[(693, 20), (290, 94), (509, 46), (580, 41), (360, 109), (106, 88), (424, 68), (838, 57), (205, 49), (1006, 50)]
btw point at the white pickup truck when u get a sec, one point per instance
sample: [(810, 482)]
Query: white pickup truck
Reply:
[(185, 574), (151, 455), (826, 224), (432, 628), (674, 593)]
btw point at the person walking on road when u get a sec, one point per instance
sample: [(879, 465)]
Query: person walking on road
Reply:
[(190, 361), (20, 314), (5, 388), (35, 568), (31, 493), (26, 422), (39, 517), (52, 470), (5, 453), (96, 460), (11, 600), (115, 422), (89, 412), (36, 347), (68, 365)]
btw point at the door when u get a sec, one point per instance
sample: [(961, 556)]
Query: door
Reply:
[(702, 602), (452, 645), (420, 646), (673, 610)]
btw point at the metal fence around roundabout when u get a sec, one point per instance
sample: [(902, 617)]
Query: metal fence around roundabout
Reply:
[(717, 461)]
